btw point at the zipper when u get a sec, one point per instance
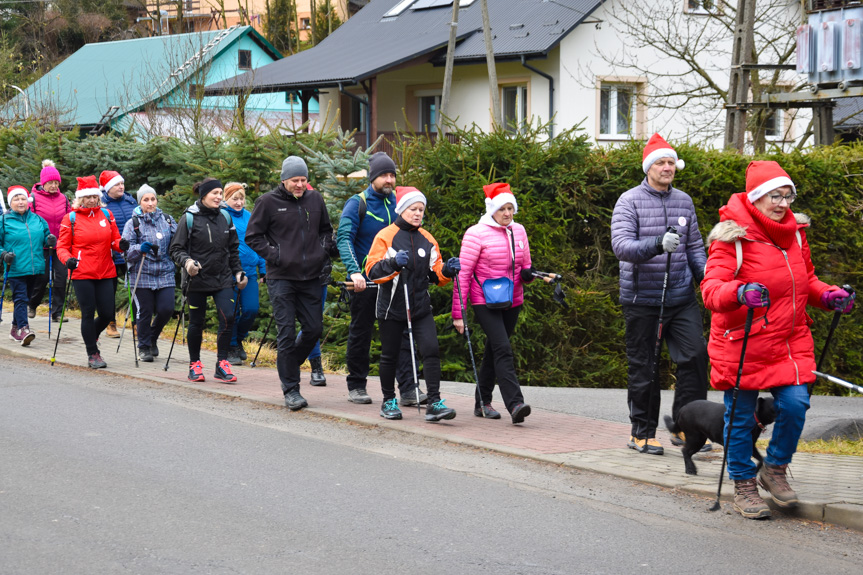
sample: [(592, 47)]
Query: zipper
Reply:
[(389, 216), (30, 239), (302, 231), (209, 233), (793, 316)]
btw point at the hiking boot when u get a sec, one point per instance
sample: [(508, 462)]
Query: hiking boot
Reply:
[(242, 352), (708, 446), (359, 396), (747, 501), (650, 446), (772, 479), (196, 371), (519, 412), (25, 336), (154, 350), (234, 356), (678, 439), (486, 411), (438, 410), (95, 361), (111, 330), (224, 373), (318, 377), (145, 355), (390, 409), (58, 318), (294, 401), (410, 398), (31, 312)]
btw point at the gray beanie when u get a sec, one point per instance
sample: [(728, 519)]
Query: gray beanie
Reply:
[(144, 190), (380, 163), (293, 167)]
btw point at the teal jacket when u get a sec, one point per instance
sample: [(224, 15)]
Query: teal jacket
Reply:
[(354, 236), (24, 235)]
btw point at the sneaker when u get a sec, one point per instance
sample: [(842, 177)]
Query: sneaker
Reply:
[(486, 411), (678, 439), (410, 398), (390, 409), (359, 396), (294, 401), (242, 351), (234, 356), (196, 371), (224, 373), (519, 412), (95, 361), (438, 410), (650, 446), (58, 318), (111, 330), (772, 478), (13, 335), (318, 377), (154, 350), (31, 312), (708, 446), (25, 335), (748, 502), (145, 355)]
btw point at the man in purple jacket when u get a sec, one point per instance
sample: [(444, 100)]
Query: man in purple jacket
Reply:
[(642, 239)]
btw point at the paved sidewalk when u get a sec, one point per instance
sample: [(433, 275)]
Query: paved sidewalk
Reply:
[(830, 487)]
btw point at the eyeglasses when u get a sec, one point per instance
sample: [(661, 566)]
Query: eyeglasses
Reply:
[(777, 198)]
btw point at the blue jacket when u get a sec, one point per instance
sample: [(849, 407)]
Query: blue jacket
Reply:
[(158, 229), (123, 209), (354, 239), (24, 235), (252, 263), (641, 215)]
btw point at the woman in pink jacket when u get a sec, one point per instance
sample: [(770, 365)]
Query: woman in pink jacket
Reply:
[(493, 249)]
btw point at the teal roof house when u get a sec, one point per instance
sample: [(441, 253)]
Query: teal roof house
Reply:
[(154, 86)]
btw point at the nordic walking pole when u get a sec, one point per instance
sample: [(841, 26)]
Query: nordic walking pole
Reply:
[(62, 315), (837, 315), (469, 344), (182, 317), (834, 379), (263, 339), (411, 338), (746, 329), (50, 288), (131, 297)]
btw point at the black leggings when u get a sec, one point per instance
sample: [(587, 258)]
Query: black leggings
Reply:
[(425, 335), (224, 300), (94, 296), (498, 361), (153, 310)]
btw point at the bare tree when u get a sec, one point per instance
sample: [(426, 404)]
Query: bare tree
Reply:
[(447, 75), (496, 114)]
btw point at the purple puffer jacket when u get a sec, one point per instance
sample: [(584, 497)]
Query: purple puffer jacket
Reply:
[(485, 251), (52, 208), (640, 216)]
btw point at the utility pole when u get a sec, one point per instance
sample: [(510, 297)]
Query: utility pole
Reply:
[(738, 88), (492, 71), (447, 75)]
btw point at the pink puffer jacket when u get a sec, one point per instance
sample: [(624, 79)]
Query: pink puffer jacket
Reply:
[(52, 208), (485, 251)]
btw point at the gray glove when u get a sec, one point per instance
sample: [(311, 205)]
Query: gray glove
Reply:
[(669, 242)]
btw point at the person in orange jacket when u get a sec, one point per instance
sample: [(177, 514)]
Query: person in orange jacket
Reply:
[(87, 236)]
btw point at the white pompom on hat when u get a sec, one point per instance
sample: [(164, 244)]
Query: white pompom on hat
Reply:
[(764, 176), (407, 196), (657, 148), (87, 186), (16, 191), (498, 195)]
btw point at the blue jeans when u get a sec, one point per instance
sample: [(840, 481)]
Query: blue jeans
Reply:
[(21, 286), (790, 402), (316, 351), (250, 304)]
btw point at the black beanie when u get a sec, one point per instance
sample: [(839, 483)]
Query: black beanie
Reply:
[(380, 163)]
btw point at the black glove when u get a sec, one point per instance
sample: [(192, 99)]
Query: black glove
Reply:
[(71, 264), (527, 275), (8, 257), (451, 268), (124, 244), (51, 241), (400, 260)]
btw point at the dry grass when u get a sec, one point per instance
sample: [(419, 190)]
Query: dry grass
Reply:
[(830, 447)]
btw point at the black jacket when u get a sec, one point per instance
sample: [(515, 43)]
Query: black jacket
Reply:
[(293, 234), (214, 244)]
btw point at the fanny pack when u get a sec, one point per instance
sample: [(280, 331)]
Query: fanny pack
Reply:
[(498, 292)]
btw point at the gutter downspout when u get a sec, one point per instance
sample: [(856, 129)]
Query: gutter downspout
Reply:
[(550, 95), (367, 114)]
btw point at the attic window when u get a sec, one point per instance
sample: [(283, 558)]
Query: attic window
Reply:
[(424, 4), (244, 59), (398, 8)]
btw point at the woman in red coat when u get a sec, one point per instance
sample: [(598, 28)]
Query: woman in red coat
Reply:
[(87, 236), (759, 258)]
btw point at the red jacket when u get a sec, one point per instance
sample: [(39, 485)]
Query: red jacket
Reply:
[(91, 243), (780, 350)]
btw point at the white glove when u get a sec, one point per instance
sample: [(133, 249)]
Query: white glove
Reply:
[(192, 267), (670, 242), (242, 280)]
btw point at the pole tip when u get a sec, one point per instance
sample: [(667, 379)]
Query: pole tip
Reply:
[(714, 507)]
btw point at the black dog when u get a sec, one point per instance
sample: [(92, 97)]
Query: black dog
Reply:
[(701, 420)]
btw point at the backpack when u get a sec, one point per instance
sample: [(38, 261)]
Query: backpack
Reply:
[(32, 197), (190, 220), (72, 219), (136, 224)]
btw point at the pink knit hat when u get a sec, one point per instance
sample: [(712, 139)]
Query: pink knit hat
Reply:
[(49, 173)]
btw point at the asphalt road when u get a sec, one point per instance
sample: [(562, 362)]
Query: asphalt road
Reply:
[(102, 474)]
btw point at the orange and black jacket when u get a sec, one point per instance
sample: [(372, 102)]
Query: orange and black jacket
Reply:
[(425, 266)]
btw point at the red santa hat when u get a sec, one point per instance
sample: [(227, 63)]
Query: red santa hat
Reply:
[(16, 191), (657, 148), (87, 186), (498, 195), (762, 177), (109, 179), (406, 196)]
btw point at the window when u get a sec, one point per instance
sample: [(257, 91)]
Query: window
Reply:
[(358, 116), (701, 7), (244, 59), (196, 91), (514, 104), (305, 23), (617, 110), (429, 106), (775, 129)]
